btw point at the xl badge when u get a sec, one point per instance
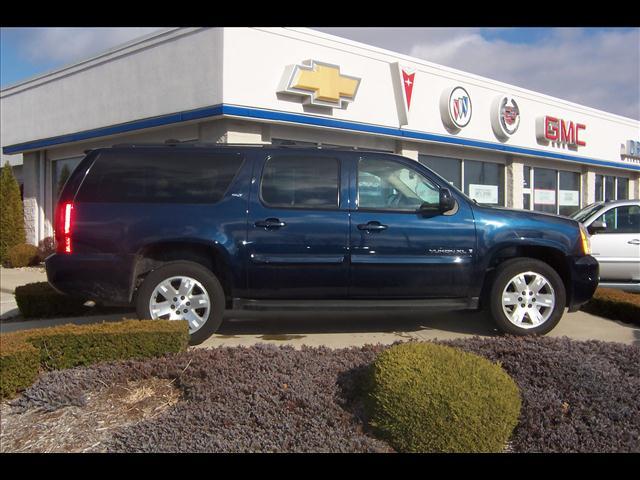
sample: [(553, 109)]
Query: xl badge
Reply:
[(319, 84), (505, 116)]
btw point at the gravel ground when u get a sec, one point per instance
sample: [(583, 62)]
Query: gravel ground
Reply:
[(577, 397)]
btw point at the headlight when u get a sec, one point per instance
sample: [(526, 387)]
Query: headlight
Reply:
[(585, 240)]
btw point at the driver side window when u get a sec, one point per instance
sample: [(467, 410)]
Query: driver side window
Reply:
[(388, 185)]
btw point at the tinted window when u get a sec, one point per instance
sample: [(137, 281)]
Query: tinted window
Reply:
[(159, 177), (300, 182), (622, 219), (388, 185), (623, 189), (484, 182)]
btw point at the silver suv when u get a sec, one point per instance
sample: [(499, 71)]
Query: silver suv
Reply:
[(615, 241)]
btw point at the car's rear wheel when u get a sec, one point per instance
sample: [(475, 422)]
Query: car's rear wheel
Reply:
[(527, 297), (183, 290)]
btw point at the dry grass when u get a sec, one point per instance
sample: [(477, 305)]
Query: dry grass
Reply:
[(86, 429)]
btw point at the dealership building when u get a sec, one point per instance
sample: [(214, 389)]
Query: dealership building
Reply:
[(501, 144)]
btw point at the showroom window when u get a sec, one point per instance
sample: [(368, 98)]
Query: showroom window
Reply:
[(482, 181), (609, 187), (554, 191), (448, 168)]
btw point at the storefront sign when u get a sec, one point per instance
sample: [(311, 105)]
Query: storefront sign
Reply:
[(505, 116), (559, 131), (455, 108), (484, 193), (404, 81), (570, 198), (320, 84), (544, 197)]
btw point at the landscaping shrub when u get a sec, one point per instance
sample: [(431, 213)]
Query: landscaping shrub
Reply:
[(76, 345), (615, 304), (433, 398), (46, 247), (19, 364), (11, 212), (40, 300), (22, 255)]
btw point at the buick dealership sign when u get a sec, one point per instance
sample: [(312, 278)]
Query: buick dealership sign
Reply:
[(505, 116), (455, 108)]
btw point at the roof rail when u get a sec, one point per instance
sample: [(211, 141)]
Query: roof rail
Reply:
[(176, 143)]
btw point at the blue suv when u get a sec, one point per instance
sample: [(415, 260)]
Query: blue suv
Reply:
[(188, 231)]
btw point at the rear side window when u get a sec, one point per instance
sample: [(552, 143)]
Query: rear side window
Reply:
[(300, 182), (159, 177)]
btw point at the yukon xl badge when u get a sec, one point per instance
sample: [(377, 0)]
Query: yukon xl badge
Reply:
[(450, 251)]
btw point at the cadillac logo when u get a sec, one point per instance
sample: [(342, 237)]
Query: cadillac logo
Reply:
[(505, 116), (455, 108)]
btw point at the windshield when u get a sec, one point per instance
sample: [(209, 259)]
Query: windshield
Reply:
[(586, 212)]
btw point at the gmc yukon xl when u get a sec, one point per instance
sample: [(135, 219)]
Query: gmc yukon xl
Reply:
[(186, 231)]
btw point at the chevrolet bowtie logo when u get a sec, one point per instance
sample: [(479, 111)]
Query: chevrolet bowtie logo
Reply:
[(320, 84)]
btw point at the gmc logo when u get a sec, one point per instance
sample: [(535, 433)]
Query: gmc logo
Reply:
[(563, 132)]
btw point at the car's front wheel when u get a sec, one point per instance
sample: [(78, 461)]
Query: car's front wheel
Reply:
[(527, 297), (183, 290)]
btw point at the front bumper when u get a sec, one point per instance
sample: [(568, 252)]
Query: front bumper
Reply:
[(583, 281)]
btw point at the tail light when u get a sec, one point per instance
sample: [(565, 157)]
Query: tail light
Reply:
[(64, 227)]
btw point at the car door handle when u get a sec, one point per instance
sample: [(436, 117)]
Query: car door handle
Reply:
[(635, 241), (372, 227), (270, 223)]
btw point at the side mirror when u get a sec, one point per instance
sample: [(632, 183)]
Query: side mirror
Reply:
[(447, 202), (596, 227)]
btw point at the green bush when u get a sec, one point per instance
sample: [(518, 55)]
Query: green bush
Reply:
[(11, 212), (19, 364), (425, 397), (615, 304), (22, 255), (23, 353), (40, 300)]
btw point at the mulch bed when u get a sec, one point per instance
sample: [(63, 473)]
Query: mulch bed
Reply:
[(577, 397)]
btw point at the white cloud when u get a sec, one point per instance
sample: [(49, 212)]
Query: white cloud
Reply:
[(66, 45), (598, 69)]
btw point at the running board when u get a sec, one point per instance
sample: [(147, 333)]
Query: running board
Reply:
[(356, 304)]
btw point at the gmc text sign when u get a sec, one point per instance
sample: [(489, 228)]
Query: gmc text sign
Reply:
[(559, 131)]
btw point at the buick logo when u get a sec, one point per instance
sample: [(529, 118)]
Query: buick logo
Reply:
[(505, 116), (455, 108)]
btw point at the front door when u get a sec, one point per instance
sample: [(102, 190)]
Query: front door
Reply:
[(397, 252), (617, 248), (298, 227)]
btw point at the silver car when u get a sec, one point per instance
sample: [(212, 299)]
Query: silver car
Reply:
[(615, 241)]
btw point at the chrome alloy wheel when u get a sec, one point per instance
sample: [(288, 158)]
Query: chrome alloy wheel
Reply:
[(180, 298), (528, 300)]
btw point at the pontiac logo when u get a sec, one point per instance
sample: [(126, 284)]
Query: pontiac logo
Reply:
[(320, 84)]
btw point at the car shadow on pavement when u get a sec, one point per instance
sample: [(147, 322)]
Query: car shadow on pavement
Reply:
[(287, 323)]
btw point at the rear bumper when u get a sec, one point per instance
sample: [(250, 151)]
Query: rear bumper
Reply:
[(104, 278), (584, 273)]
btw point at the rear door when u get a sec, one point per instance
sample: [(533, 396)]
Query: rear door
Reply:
[(397, 252), (298, 227), (617, 249)]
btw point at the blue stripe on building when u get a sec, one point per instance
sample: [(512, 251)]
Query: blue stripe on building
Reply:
[(300, 119)]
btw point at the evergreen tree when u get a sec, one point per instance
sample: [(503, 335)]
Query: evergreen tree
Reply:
[(11, 212)]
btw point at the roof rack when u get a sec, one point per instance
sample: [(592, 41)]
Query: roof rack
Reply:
[(177, 143)]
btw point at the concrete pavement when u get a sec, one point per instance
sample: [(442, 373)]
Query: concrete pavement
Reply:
[(337, 330), (10, 278)]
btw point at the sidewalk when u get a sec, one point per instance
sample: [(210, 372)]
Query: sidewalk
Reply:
[(10, 278)]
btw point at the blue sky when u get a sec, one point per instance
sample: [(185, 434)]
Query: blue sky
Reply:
[(596, 67)]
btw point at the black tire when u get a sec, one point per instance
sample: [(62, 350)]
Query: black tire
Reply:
[(503, 275), (196, 271)]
